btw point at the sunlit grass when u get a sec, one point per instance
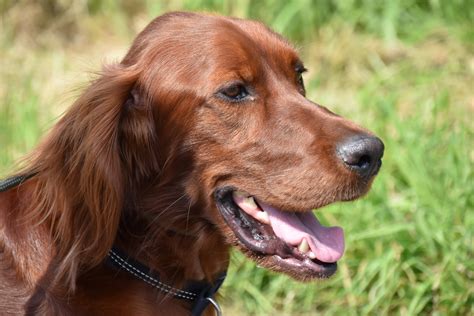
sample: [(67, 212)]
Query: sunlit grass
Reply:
[(404, 70)]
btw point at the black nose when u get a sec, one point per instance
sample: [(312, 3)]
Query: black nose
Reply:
[(362, 154)]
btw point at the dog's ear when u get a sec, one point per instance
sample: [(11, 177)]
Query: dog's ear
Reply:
[(138, 137), (84, 165)]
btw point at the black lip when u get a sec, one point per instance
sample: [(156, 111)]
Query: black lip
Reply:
[(261, 240)]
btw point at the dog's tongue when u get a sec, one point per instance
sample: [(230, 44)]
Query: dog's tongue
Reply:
[(327, 243)]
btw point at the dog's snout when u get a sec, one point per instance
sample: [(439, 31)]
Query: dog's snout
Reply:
[(362, 154)]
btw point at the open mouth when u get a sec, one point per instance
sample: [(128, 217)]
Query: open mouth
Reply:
[(291, 242)]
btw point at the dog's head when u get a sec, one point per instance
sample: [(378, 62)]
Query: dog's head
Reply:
[(204, 127), (253, 154)]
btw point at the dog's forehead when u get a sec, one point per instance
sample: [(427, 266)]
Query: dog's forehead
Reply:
[(257, 39), (243, 48), (265, 38), (195, 49)]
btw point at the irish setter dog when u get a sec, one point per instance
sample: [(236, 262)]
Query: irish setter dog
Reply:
[(200, 139)]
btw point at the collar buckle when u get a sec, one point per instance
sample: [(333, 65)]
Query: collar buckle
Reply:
[(207, 297), (216, 306)]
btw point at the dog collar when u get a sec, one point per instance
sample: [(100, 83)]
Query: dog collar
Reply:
[(200, 293), (12, 182)]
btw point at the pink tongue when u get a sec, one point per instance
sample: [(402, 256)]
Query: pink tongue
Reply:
[(327, 243)]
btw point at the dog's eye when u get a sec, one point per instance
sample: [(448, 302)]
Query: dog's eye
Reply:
[(234, 92), (299, 69), (300, 79)]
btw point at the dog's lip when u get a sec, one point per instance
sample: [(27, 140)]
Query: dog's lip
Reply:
[(311, 268), (260, 239)]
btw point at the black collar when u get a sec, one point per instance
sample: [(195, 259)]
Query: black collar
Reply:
[(7, 184), (200, 293)]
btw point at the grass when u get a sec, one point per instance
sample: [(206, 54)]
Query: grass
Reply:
[(404, 69)]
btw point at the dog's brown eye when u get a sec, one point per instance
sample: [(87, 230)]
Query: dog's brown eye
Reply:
[(234, 92), (300, 79), (299, 69)]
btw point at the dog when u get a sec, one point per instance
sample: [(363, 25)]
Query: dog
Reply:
[(200, 139)]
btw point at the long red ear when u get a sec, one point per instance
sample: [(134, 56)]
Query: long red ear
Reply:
[(81, 173)]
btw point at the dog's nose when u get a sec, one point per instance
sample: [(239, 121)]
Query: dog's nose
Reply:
[(362, 154)]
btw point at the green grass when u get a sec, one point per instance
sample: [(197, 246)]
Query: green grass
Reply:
[(404, 69)]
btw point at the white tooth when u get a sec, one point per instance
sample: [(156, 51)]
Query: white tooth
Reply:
[(240, 194), (263, 217), (250, 202), (311, 255), (303, 247), (260, 215), (250, 206)]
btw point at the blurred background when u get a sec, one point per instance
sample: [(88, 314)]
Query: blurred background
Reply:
[(404, 69)]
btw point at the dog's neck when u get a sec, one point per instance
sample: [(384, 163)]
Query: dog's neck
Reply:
[(173, 238), (180, 258)]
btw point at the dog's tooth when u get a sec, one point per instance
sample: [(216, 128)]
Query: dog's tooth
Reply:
[(263, 217), (240, 194), (260, 215), (311, 255), (250, 202), (304, 246), (245, 199)]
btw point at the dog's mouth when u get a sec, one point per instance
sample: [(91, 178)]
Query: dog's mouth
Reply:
[(291, 242)]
